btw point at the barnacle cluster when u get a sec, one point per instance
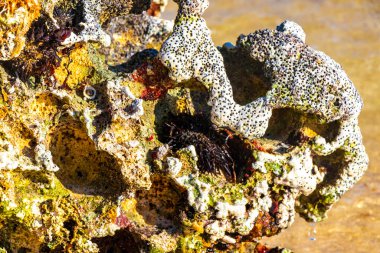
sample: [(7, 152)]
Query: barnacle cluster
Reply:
[(99, 11), (297, 78), (109, 145)]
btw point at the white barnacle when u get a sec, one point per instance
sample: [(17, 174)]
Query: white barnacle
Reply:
[(124, 104), (174, 165), (303, 175), (44, 157), (88, 118), (8, 156), (217, 229), (198, 191)]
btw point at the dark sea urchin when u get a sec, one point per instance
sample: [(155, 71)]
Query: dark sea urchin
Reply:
[(217, 153)]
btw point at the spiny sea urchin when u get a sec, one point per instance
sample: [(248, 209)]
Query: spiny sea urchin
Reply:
[(213, 154)]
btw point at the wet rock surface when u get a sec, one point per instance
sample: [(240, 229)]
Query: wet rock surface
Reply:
[(107, 144)]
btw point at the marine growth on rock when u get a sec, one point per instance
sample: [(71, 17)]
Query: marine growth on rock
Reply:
[(123, 132)]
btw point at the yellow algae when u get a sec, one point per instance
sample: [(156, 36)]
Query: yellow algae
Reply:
[(135, 87), (16, 17), (198, 226), (153, 45), (4, 94), (83, 169), (124, 132), (308, 132), (45, 106), (125, 37), (15, 132), (75, 68), (3, 112), (182, 105), (129, 208)]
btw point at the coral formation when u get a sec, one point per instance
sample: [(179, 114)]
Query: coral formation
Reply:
[(193, 148), (97, 12), (298, 77)]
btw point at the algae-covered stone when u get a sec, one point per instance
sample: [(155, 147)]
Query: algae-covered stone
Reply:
[(16, 18), (164, 152), (297, 77), (134, 33)]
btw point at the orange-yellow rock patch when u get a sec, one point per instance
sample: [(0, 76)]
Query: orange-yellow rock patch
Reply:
[(75, 68), (16, 17)]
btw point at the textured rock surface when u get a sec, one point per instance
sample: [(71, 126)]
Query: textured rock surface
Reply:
[(127, 149), (134, 33), (296, 77), (16, 18)]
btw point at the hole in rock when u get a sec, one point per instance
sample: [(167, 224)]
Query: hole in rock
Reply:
[(70, 225), (135, 61), (83, 169), (160, 205), (217, 151), (46, 248), (333, 164), (23, 250), (122, 241), (246, 76), (285, 125)]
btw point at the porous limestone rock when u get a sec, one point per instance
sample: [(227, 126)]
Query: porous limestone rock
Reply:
[(190, 149), (134, 33), (298, 77), (96, 12), (16, 18)]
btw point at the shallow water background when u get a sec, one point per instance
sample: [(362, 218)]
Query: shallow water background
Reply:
[(349, 32)]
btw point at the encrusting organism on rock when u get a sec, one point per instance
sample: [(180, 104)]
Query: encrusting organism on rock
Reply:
[(51, 29), (213, 153), (97, 12), (118, 147), (299, 77)]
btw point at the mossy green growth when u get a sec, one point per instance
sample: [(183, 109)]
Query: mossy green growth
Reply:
[(274, 167), (318, 209), (189, 162), (230, 193), (190, 243), (328, 199), (156, 250), (278, 189), (32, 197), (186, 19)]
